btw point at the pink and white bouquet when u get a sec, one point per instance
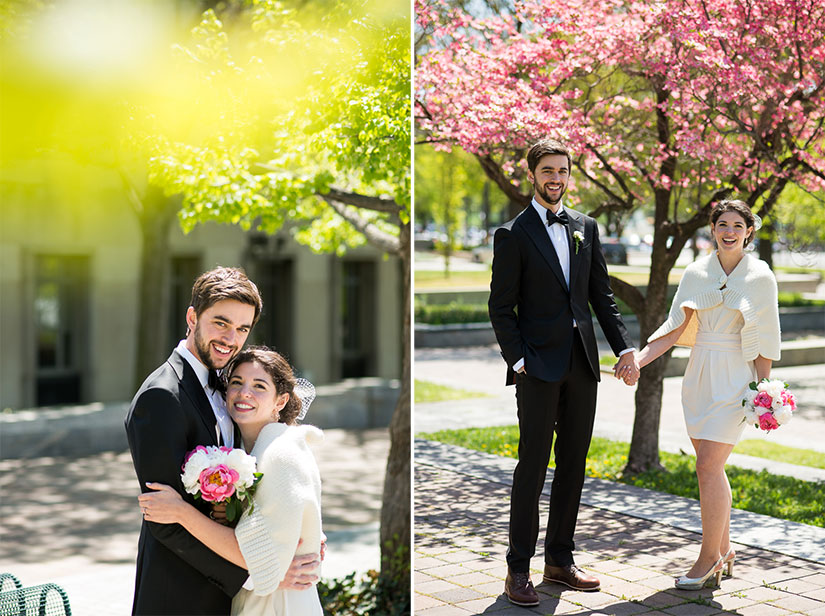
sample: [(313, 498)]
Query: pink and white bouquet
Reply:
[(768, 404), (221, 475)]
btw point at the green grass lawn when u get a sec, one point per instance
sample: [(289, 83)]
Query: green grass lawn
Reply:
[(781, 453), (432, 392), (759, 492), (437, 280)]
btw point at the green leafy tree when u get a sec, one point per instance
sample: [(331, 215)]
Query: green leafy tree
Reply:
[(326, 153), (441, 180)]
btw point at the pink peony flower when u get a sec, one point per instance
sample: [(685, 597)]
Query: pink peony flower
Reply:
[(768, 422), (788, 400), (763, 399), (218, 483)]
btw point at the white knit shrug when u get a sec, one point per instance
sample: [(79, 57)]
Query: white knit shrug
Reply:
[(750, 288), (287, 505)]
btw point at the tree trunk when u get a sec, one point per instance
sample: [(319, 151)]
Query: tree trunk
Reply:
[(395, 508), (485, 209), (644, 443), (766, 237), (156, 220), (514, 207)]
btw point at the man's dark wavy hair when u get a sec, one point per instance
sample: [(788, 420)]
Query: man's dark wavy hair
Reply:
[(543, 148), (225, 283)]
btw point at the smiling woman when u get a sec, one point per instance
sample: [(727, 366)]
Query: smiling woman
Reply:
[(726, 309)]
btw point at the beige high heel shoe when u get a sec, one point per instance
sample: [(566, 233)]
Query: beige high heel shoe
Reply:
[(727, 562), (686, 583)]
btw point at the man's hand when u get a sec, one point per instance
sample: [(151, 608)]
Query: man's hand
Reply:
[(627, 368), (302, 572)]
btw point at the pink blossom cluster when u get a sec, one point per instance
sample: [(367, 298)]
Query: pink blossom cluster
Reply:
[(734, 91)]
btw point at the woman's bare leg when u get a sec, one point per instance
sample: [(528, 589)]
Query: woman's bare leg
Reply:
[(715, 502)]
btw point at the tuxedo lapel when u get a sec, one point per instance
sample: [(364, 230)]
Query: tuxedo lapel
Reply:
[(191, 386), (576, 224), (535, 228)]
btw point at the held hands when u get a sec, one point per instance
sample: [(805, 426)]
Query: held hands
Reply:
[(627, 368), (164, 506)]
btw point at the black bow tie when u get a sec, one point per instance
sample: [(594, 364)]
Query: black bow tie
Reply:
[(215, 381), (560, 218)]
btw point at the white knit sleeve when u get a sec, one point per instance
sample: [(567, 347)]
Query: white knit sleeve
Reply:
[(268, 537), (259, 553)]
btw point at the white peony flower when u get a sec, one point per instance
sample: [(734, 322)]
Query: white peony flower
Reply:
[(783, 414), (774, 388), (242, 462), (751, 416), (197, 462)]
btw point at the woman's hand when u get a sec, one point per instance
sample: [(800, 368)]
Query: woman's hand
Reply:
[(164, 506)]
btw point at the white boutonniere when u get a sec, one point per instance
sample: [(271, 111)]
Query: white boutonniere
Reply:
[(578, 238)]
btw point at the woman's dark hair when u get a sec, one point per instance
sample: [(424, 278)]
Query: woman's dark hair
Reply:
[(741, 208), (282, 376)]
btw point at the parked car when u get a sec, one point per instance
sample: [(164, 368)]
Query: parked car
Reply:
[(615, 252), (484, 252)]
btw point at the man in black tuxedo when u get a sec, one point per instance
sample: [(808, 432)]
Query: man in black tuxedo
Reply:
[(178, 407), (547, 267)]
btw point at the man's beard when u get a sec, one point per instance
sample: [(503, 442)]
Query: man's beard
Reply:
[(546, 197), (202, 347)]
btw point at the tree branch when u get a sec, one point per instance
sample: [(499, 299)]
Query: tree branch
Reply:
[(629, 294), (375, 236), (131, 193), (609, 168), (494, 172), (376, 204)]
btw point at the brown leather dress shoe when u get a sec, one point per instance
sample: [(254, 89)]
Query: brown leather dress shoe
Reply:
[(571, 576), (519, 589)]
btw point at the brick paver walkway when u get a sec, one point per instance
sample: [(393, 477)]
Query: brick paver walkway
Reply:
[(461, 539)]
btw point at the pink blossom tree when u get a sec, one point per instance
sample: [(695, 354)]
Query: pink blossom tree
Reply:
[(671, 105)]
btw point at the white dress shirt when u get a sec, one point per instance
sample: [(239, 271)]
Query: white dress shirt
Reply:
[(225, 428), (558, 237)]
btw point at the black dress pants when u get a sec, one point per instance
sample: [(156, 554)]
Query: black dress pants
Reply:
[(566, 407)]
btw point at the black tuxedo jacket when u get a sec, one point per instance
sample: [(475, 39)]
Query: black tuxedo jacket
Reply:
[(531, 307), (176, 574)]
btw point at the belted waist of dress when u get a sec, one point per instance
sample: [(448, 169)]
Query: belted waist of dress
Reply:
[(719, 342)]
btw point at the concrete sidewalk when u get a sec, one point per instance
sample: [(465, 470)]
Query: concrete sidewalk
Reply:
[(75, 521), (634, 539)]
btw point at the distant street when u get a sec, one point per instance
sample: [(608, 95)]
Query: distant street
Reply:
[(430, 261)]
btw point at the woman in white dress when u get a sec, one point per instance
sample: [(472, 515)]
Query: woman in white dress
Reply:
[(286, 519), (726, 309)]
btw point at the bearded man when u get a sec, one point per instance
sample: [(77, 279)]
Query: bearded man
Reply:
[(548, 269)]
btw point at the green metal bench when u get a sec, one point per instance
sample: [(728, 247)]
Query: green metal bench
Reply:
[(41, 600), (9, 582)]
